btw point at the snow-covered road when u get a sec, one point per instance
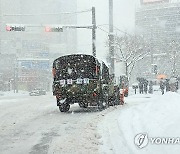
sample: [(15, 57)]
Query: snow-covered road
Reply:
[(35, 125)]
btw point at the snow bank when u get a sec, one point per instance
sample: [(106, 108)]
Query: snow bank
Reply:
[(155, 115), (158, 117)]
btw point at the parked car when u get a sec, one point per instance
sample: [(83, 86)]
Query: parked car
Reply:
[(37, 92)]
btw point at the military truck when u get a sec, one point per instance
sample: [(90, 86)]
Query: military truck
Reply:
[(82, 79)]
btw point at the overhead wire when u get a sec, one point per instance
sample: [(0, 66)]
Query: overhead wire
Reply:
[(77, 12), (114, 27)]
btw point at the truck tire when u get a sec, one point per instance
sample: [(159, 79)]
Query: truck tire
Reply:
[(64, 107), (61, 108), (102, 104)]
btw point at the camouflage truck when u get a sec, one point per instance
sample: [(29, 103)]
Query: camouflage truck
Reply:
[(82, 79)]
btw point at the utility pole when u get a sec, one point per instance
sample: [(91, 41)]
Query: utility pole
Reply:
[(0, 25), (111, 37), (93, 32), (174, 58), (151, 52)]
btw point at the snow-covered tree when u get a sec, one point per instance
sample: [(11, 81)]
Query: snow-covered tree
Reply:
[(173, 55), (130, 49)]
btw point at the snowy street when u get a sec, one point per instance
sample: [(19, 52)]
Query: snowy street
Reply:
[(90, 77), (33, 124)]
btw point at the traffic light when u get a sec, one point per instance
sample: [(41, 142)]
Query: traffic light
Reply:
[(155, 69), (53, 29), (15, 28)]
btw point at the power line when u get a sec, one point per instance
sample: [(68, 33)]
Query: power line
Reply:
[(103, 30), (114, 27), (89, 10)]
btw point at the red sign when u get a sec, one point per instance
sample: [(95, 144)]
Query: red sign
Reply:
[(8, 28)]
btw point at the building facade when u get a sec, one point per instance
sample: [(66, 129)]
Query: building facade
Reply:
[(35, 46), (159, 23)]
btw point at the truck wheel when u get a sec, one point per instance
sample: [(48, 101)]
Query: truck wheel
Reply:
[(61, 108), (106, 101), (67, 107), (64, 107), (111, 101), (101, 105)]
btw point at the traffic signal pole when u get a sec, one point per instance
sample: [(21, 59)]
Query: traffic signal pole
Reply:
[(57, 28), (0, 24), (93, 32), (111, 37)]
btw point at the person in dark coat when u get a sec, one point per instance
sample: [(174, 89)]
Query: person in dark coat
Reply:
[(145, 85), (177, 85), (150, 87), (162, 86), (167, 85), (141, 87)]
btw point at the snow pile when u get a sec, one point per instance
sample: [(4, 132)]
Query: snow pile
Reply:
[(157, 116)]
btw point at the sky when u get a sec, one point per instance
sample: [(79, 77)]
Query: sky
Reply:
[(123, 13)]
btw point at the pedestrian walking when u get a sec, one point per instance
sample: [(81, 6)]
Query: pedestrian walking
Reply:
[(167, 85), (145, 85), (162, 86), (141, 87), (150, 87)]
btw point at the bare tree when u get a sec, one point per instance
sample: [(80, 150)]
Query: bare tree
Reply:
[(130, 49), (173, 55)]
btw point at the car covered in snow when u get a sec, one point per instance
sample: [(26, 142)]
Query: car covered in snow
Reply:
[(37, 92)]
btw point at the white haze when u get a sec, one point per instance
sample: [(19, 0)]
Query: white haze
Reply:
[(124, 18)]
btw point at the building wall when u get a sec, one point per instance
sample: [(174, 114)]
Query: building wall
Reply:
[(34, 42), (38, 13), (160, 25), (8, 64)]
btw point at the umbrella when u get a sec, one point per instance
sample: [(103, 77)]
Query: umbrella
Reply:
[(161, 76)]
